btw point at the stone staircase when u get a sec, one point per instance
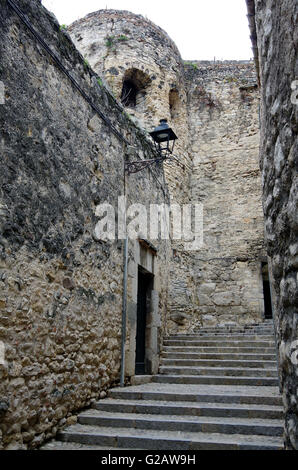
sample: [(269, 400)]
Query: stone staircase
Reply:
[(217, 389)]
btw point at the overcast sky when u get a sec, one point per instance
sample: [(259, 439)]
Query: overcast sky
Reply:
[(202, 29)]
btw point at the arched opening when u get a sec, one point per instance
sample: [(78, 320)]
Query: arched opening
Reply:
[(129, 94), (174, 103), (133, 89)]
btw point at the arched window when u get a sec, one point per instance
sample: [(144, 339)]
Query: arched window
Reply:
[(133, 89), (129, 94)]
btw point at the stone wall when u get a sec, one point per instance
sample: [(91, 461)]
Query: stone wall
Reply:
[(223, 109), (121, 45), (276, 24), (63, 148), (60, 286), (213, 109)]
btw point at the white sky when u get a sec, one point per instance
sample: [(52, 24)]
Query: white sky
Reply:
[(202, 29)]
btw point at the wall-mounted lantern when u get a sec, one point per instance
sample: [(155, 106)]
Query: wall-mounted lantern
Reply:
[(164, 138)]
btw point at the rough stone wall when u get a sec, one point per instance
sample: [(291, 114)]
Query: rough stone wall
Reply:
[(182, 291), (223, 108), (60, 288), (277, 43), (214, 111), (114, 43)]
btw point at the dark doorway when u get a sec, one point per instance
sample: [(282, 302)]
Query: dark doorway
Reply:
[(145, 285), (266, 291), (129, 94)]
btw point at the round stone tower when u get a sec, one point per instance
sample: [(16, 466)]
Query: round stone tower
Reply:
[(144, 70)]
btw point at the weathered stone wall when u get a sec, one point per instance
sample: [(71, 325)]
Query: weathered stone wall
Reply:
[(223, 105), (182, 291), (60, 288), (277, 43), (116, 43), (213, 109)]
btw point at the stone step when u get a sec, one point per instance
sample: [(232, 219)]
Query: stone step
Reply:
[(266, 324), (220, 336), (220, 362), (231, 328), (60, 445), (242, 334), (215, 390), (189, 408), (215, 380), (231, 425), (220, 349), (166, 440), (232, 394), (218, 371), (261, 326), (221, 342), (225, 356)]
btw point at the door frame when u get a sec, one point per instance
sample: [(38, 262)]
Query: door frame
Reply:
[(145, 287), (143, 257)]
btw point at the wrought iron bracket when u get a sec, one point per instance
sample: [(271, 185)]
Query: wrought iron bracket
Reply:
[(139, 165)]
